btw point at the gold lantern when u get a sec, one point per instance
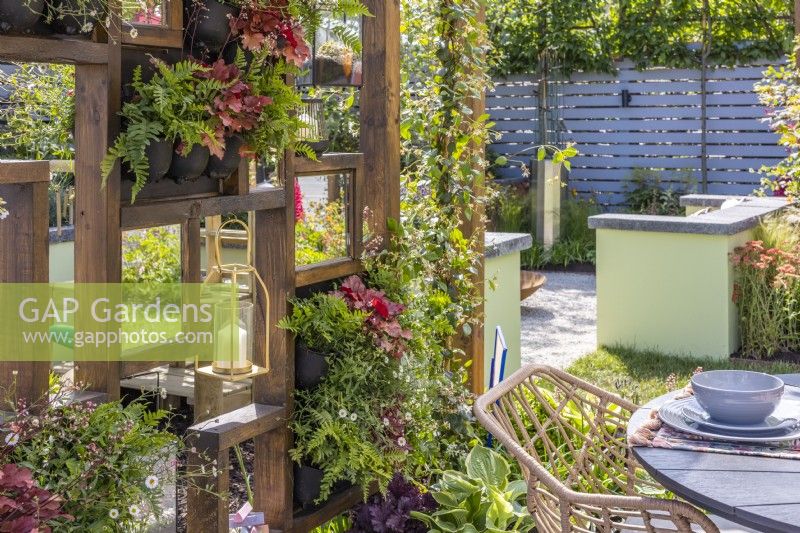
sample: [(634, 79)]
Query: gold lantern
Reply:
[(234, 310)]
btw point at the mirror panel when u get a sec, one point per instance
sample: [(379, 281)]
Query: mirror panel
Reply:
[(323, 217)]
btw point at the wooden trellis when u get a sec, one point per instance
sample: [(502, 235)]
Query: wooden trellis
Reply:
[(102, 214)]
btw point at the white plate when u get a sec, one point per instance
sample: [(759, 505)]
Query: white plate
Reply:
[(695, 412), (671, 413)]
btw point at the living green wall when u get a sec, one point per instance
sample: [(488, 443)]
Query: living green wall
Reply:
[(669, 292)]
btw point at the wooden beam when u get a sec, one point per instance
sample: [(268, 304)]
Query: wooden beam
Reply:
[(97, 222), (38, 49), (274, 259), (380, 112), (162, 213), (25, 241)]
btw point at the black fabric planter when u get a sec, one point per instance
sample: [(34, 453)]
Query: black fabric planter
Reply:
[(308, 485), (309, 367), (222, 168), (190, 166), (17, 17), (159, 155), (207, 23), (76, 25)]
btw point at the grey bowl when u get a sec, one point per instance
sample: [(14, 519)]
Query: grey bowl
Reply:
[(737, 396)]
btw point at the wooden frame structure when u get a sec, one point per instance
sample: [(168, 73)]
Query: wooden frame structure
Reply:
[(102, 214)]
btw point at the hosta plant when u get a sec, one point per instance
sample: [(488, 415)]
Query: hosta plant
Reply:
[(480, 498)]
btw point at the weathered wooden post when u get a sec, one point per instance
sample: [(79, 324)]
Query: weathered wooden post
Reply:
[(24, 239)]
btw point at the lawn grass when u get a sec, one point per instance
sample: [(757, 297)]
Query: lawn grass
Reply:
[(641, 376)]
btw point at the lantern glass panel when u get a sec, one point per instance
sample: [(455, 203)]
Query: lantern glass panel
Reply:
[(233, 346), (323, 218)]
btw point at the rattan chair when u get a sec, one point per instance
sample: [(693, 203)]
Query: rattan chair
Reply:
[(569, 438)]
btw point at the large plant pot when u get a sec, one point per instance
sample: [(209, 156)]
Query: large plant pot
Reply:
[(80, 24), (159, 155), (207, 23), (189, 166), (310, 367), (222, 168), (17, 17)]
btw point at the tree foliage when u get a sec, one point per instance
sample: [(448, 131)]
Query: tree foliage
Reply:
[(590, 34)]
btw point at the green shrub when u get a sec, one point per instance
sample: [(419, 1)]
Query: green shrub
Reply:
[(151, 256), (110, 463), (647, 193)]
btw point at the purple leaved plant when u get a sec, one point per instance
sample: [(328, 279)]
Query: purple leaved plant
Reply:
[(391, 513)]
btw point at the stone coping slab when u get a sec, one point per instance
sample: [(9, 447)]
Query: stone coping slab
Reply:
[(498, 244), (729, 221)]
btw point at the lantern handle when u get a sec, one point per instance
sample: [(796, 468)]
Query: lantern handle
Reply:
[(218, 240)]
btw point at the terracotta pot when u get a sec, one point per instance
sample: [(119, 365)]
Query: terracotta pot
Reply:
[(207, 23), (310, 367), (76, 24), (222, 168), (159, 154), (189, 166), (18, 17)]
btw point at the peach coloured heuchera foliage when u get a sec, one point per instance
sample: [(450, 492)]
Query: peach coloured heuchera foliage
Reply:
[(273, 28)]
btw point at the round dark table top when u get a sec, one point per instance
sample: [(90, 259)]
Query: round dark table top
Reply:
[(761, 493)]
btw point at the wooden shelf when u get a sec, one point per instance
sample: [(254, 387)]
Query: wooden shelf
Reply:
[(339, 503), (165, 212), (224, 431), (52, 49)]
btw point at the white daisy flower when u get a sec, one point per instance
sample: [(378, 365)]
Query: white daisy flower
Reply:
[(342, 413), (386, 421), (12, 439), (134, 33), (401, 441), (151, 482), (134, 510), (353, 417), (163, 393), (113, 514)]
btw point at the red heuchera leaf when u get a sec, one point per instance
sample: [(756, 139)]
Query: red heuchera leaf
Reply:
[(24, 506), (382, 321)]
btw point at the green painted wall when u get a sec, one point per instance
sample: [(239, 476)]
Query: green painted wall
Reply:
[(667, 291), (502, 308), (62, 260)]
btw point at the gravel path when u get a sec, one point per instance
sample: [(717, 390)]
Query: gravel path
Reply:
[(559, 321)]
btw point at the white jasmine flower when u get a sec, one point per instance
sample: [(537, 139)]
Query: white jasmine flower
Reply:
[(353, 417), (113, 514), (12, 439), (151, 482), (342, 413)]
